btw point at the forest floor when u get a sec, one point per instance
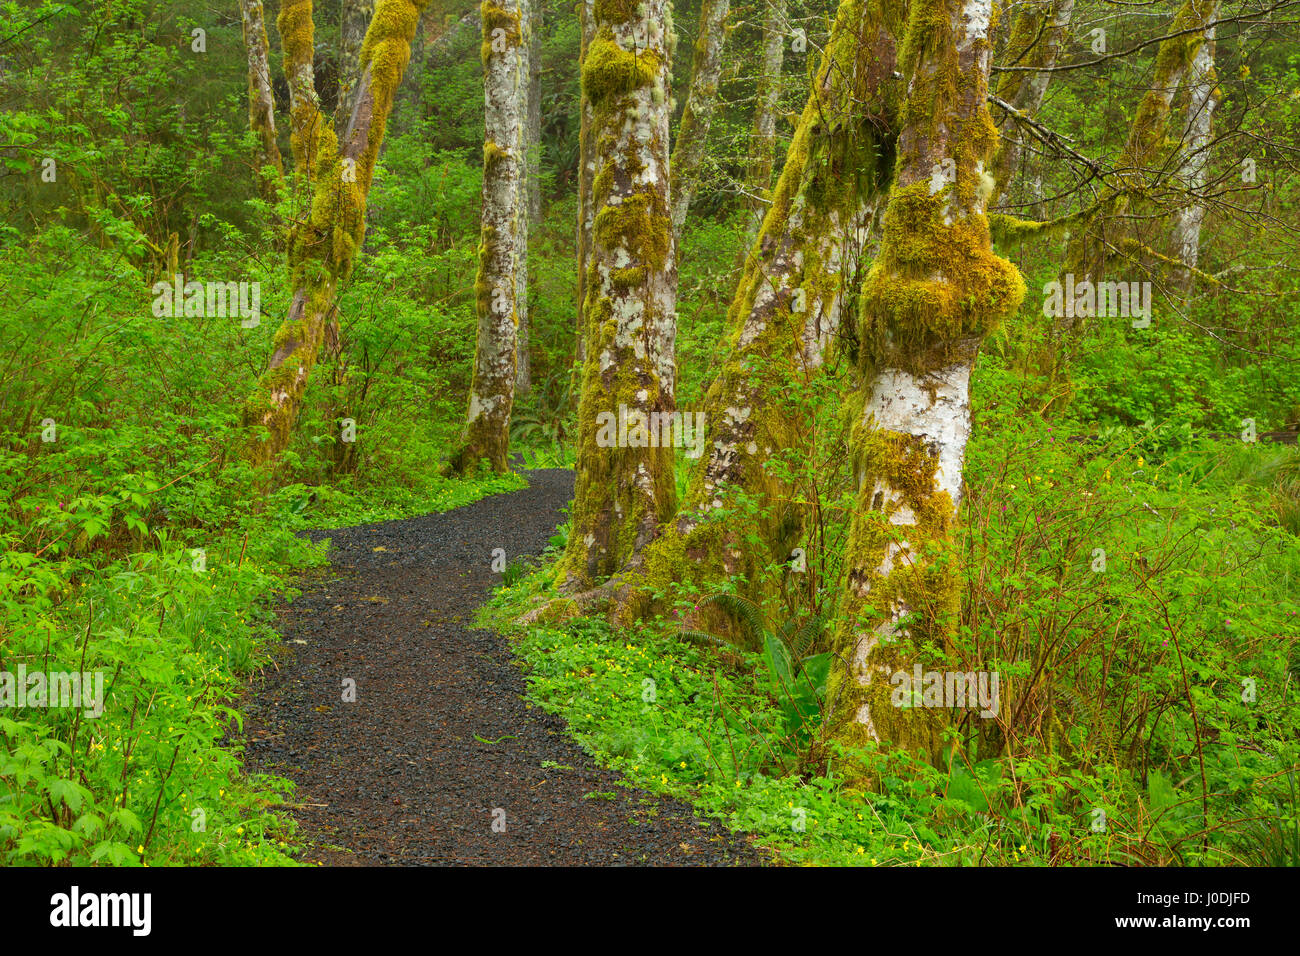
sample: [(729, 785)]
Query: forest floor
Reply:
[(441, 738)]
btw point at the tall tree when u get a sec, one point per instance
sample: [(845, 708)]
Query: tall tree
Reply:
[(352, 32), (323, 247), (535, 13), (298, 44), (529, 185), (785, 315), (1202, 98), (701, 104), (261, 102), (586, 172), (1038, 35), (762, 141), (790, 301), (935, 290), (501, 284), (624, 493), (1108, 227)]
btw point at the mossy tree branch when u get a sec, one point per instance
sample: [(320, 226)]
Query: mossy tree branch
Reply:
[(701, 104), (261, 102), (323, 247)]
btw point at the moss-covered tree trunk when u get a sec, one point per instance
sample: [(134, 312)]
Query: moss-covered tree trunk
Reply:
[(625, 487), (261, 102), (298, 45), (322, 248), (786, 313), (1202, 98), (701, 104), (762, 141), (586, 173), (528, 176), (500, 285), (354, 20), (1108, 229), (934, 292), (535, 10), (1038, 35)]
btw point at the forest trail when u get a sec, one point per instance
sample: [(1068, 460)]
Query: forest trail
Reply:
[(402, 776)]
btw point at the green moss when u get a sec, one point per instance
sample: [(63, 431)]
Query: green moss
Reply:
[(927, 584), (611, 71), (323, 248), (638, 225), (628, 278), (934, 282), (495, 17)]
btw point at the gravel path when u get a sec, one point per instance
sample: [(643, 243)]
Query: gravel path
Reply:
[(401, 776)]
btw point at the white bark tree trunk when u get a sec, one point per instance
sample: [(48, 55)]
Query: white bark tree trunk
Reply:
[(524, 203), (499, 287), (763, 138), (1202, 86), (1110, 227), (586, 172), (261, 102), (935, 290), (625, 486), (701, 103), (786, 311)]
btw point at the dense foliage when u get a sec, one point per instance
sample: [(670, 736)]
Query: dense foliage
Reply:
[(1157, 695)]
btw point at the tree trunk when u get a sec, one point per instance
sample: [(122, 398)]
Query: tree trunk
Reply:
[(586, 173), (261, 102), (786, 312), (623, 494), (323, 247), (701, 103), (1108, 228), (354, 20), (535, 111), (1202, 86), (297, 41), (763, 138), (1040, 32), (528, 182), (933, 293), (503, 243)]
